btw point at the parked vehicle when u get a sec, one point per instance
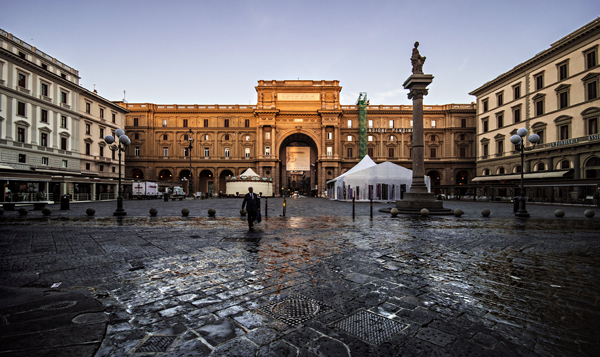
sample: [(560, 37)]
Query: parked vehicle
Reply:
[(145, 190), (178, 191)]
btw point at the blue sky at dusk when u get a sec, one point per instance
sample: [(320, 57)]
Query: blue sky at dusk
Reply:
[(214, 52)]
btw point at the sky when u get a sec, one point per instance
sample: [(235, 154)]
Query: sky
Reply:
[(214, 52)]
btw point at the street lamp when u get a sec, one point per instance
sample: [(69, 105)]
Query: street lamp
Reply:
[(517, 140), (191, 184), (119, 146)]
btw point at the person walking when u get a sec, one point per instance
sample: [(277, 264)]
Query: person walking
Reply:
[(252, 204)]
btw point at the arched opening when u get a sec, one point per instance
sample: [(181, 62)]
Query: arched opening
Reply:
[(592, 168), (165, 175), (137, 174), (501, 170), (206, 183), (565, 164), (435, 178), (298, 170), (222, 181), (184, 179)]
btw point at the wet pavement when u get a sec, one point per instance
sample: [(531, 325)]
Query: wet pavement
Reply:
[(312, 283)]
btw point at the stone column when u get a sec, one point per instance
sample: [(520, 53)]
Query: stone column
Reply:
[(417, 84)]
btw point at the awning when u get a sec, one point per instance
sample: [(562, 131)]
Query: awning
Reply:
[(4, 167), (532, 175), (68, 173), (29, 179)]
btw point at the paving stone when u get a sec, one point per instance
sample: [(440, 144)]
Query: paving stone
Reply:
[(278, 348), (219, 332), (436, 337), (420, 348), (240, 347), (325, 346)]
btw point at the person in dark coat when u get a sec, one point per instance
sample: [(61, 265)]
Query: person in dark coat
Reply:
[(252, 204)]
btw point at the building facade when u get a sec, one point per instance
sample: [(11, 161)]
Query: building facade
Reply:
[(291, 117), (554, 95), (43, 127)]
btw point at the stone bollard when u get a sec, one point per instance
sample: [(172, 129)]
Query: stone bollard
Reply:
[(90, 211), (424, 212), (485, 212), (243, 212), (23, 211), (559, 213), (589, 213), (185, 212), (46, 211), (394, 212), (211, 212), (153, 212), (458, 212)]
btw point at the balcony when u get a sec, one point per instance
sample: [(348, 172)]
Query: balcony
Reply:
[(65, 105), (23, 90), (47, 99)]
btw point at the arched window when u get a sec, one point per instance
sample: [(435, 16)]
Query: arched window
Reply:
[(165, 137), (462, 137), (226, 136), (501, 171), (541, 166), (486, 172), (565, 164)]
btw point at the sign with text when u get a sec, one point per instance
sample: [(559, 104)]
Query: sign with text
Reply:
[(297, 158), (298, 96)]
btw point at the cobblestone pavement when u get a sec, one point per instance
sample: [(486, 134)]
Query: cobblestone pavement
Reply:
[(313, 283)]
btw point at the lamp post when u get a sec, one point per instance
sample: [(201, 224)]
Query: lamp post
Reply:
[(191, 183), (517, 140), (119, 146)]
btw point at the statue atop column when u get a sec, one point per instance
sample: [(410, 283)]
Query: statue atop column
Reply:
[(417, 60)]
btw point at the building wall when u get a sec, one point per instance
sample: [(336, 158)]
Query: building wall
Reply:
[(308, 111), (577, 145)]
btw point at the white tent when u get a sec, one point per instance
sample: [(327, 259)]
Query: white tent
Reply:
[(335, 186), (249, 178), (383, 182)]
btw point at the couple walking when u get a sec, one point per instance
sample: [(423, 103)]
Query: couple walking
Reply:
[(252, 204)]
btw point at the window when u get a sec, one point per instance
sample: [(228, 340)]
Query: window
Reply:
[(22, 55), (247, 152), (563, 71), (22, 80), (517, 114), (185, 152), (63, 97), (563, 99), (500, 147), (592, 126), (391, 137), (462, 152), (63, 143), (563, 132), (101, 113), (45, 161), (165, 137), (22, 158), (484, 150), (500, 99), (565, 164), (517, 91), (164, 123), (88, 129), (88, 166), (102, 151), (370, 152), (65, 163), (410, 152), (370, 123), (432, 138), (226, 123), (21, 109), (267, 151), (463, 123), (501, 171), (62, 75), (590, 82), (136, 136), (370, 138), (433, 123), (44, 116), (136, 121), (185, 123), (114, 120), (349, 152), (226, 137), (432, 152), (44, 66), (461, 137), (349, 123), (114, 156), (391, 123), (390, 152), (411, 123), (486, 172), (88, 108), (165, 151), (540, 133), (539, 81), (21, 135), (541, 166), (268, 135), (206, 152), (485, 105), (247, 137), (329, 136), (538, 101), (102, 133), (247, 123), (349, 137), (500, 120), (329, 151), (206, 123), (101, 167), (44, 139), (206, 137), (88, 149), (63, 121), (45, 90), (113, 169), (226, 152), (485, 126), (591, 58), (137, 151)]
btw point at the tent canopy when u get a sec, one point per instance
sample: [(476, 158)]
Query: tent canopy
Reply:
[(249, 173)]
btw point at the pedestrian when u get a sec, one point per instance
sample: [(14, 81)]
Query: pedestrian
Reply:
[(252, 204)]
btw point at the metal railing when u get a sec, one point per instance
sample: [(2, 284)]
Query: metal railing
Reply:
[(29, 197), (107, 196), (81, 197)]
